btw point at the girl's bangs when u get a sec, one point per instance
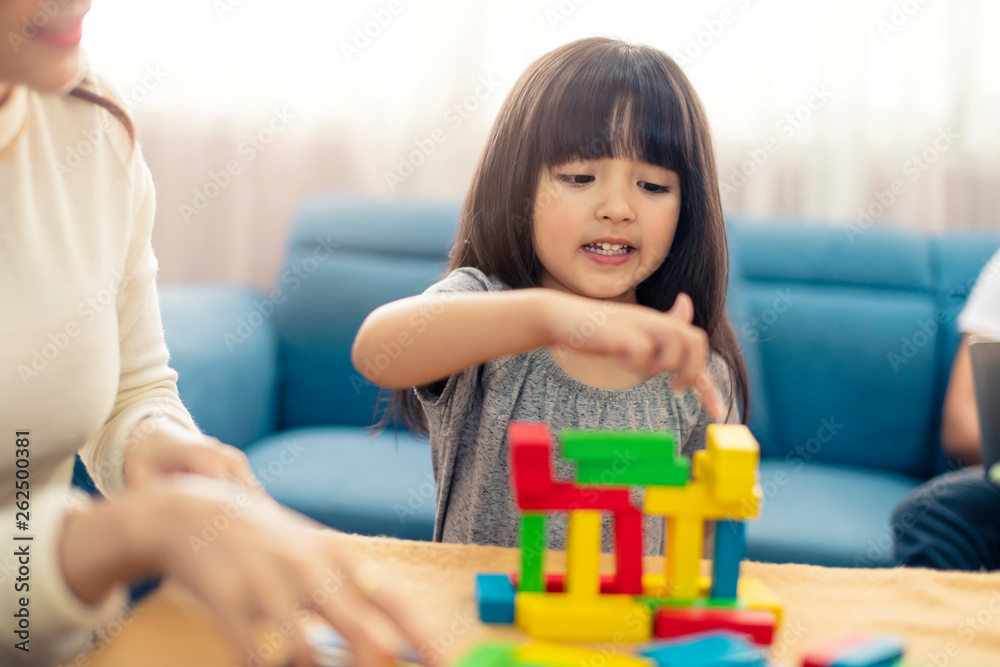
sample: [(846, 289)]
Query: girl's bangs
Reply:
[(622, 106)]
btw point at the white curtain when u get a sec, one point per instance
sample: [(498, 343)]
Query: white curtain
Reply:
[(826, 110)]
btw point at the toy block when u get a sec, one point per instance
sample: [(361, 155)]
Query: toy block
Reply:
[(555, 582), (571, 618), (730, 550), (728, 464), (628, 552), (655, 603), (565, 497), (559, 655), (679, 621), (708, 649), (488, 654), (531, 469), (666, 473), (654, 585), (593, 445), (533, 543), (756, 595), (855, 650), (495, 598), (684, 544), (696, 499), (583, 553)]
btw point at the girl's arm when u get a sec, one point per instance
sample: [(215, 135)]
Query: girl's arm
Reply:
[(421, 339)]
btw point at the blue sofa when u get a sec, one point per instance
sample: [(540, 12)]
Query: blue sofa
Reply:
[(848, 338)]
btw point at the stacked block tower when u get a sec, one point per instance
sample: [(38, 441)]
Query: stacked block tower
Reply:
[(720, 484)]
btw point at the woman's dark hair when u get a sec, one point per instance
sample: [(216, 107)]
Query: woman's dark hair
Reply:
[(90, 90), (590, 99)]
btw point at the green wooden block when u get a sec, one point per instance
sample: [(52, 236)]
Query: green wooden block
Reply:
[(674, 472), (488, 654), (581, 445), (700, 603), (533, 541)]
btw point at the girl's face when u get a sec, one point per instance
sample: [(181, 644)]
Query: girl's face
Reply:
[(603, 226), (40, 44)]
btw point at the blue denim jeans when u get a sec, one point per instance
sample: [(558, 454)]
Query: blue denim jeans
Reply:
[(950, 523)]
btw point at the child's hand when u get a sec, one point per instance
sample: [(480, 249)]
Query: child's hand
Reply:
[(644, 340)]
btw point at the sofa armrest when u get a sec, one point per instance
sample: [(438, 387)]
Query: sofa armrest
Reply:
[(223, 346)]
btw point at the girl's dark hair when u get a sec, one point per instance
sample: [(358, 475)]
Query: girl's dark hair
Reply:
[(598, 98), (89, 90)]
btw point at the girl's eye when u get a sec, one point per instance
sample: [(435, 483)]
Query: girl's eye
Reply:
[(653, 187), (576, 179)]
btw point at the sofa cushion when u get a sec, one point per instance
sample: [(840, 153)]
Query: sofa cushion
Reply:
[(349, 480), (825, 514), (224, 348), (346, 257)]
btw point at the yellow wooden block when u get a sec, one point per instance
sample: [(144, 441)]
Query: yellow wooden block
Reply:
[(563, 617), (583, 553), (756, 595), (559, 655), (695, 499), (728, 464), (684, 538)]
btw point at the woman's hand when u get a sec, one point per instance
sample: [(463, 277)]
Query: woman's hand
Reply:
[(644, 339), (161, 447), (261, 569)]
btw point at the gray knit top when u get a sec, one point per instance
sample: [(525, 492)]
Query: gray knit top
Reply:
[(468, 424)]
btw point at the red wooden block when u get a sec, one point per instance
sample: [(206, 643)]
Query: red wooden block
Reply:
[(555, 582), (628, 551), (676, 621), (826, 652)]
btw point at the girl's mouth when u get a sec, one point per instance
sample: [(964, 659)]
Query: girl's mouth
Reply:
[(608, 253)]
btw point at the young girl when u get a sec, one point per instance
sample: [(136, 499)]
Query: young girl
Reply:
[(593, 214), (83, 367)]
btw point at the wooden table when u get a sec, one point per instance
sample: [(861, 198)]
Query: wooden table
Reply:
[(946, 618)]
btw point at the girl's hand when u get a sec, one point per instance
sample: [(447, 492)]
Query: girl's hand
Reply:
[(263, 570), (645, 340), (163, 447)]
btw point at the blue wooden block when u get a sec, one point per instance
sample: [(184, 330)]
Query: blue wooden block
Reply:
[(719, 648), (881, 651), (495, 598), (730, 550)]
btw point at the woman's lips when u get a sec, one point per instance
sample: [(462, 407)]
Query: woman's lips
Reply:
[(64, 36)]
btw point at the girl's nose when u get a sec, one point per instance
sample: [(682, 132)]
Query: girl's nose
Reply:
[(615, 206)]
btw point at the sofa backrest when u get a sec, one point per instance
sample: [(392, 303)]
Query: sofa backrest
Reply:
[(848, 338), (855, 336), (347, 256)]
